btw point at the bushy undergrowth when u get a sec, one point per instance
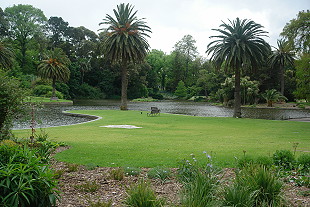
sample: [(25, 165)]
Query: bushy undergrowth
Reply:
[(25, 178), (159, 173)]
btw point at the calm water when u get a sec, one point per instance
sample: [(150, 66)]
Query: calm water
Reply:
[(52, 115)]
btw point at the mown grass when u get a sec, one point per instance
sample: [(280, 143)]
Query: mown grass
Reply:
[(166, 139)]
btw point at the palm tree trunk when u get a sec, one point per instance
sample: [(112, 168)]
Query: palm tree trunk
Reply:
[(124, 87), (282, 79), (237, 105), (54, 90)]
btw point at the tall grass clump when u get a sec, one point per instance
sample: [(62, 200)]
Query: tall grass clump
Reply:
[(142, 195), (200, 182), (260, 183)]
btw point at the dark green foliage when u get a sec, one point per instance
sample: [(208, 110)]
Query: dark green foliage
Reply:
[(24, 179), (245, 161), (157, 96), (304, 162), (181, 91), (284, 159), (42, 90), (89, 92), (11, 97), (142, 195)]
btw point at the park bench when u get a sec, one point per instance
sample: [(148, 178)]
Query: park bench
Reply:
[(154, 112)]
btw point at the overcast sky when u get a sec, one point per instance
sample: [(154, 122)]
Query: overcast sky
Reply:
[(170, 20)]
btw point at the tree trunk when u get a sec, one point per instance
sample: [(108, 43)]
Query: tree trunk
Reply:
[(124, 87), (282, 79), (237, 105), (54, 97)]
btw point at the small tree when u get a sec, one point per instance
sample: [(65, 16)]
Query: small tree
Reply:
[(11, 97), (181, 90), (272, 96)]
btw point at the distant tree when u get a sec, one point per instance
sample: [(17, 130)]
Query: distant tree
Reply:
[(239, 45), (6, 56), (272, 96), (125, 42), (297, 32), (181, 90), (283, 55), (25, 21), (55, 67), (186, 46), (58, 29), (3, 24), (303, 77)]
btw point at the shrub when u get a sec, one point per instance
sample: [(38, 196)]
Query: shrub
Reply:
[(160, 173), (157, 96), (42, 90), (264, 161), (244, 161), (57, 93), (142, 195), (284, 158), (25, 181), (304, 162)]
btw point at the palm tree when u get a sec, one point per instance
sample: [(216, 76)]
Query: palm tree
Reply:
[(280, 57), (6, 56), (55, 67), (125, 42), (272, 96), (239, 45)]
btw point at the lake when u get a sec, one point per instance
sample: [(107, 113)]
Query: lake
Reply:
[(50, 116)]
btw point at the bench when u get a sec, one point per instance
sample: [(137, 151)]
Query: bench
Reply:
[(154, 112)]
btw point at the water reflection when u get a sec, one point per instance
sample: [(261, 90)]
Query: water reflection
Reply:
[(53, 116)]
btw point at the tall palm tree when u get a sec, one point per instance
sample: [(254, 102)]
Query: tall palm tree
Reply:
[(55, 67), (283, 55), (125, 42), (239, 46), (6, 56)]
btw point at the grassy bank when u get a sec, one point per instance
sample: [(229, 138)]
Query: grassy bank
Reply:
[(33, 99), (166, 139)]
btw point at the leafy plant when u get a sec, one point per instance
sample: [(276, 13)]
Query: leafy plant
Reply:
[(284, 158), (304, 162), (117, 174), (272, 96), (142, 195), (25, 181)]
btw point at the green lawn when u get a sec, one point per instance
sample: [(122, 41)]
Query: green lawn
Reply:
[(166, 139)]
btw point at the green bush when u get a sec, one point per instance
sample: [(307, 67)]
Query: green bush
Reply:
[(57, 93), (284, 158), (157, 96), (304, 162), (42, 90), (142, 195), (244, 162), (25, 181), (264, 161), (87, 91)]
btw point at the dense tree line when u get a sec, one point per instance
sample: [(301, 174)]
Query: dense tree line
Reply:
[(32, 37)]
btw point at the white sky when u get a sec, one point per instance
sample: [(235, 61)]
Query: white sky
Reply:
[(170, 20)]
